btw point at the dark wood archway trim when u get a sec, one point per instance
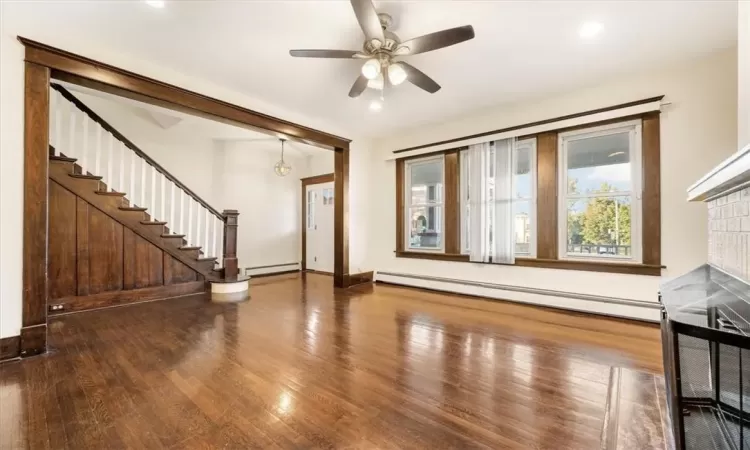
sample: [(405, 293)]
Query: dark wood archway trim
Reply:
[(327, 178), (43, 63), (81, 70)]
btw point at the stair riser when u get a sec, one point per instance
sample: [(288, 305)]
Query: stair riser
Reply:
[(195, 254)]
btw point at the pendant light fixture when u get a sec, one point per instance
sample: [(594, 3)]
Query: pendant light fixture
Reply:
[(281, 168)]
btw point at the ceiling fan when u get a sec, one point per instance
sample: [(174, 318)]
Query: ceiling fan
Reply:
[(383, 51)]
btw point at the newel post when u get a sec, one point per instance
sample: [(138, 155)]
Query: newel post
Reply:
[(230, 244)]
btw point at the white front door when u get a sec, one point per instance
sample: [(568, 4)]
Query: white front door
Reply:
[(319, 222)]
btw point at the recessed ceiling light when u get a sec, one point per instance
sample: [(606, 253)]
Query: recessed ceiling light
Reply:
[(376, 105), (590, 29), (155, 3)]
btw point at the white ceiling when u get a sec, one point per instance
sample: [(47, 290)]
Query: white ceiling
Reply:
[(522, 49)]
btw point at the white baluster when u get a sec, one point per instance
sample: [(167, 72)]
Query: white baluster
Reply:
[(98, 150), (110, 158), (220, 253), (207, 231), (53, 136), (213, 244), (198, 226), (171, 209), (182, 212), (152, 205), (84, 145), (58, 123), (143, 182), (121, 185), (163, 210), (71, 150), (131, 192), (190, 221)]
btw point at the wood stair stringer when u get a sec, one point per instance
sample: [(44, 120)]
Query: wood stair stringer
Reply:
[(130, 218)]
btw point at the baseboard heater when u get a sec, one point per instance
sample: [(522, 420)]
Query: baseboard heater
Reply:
[(597, 304), (272, 269)]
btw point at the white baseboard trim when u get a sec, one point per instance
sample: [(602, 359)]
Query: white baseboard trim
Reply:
[(271, 269), (609, 306)]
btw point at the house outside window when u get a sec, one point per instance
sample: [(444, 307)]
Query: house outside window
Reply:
[(424, 203)]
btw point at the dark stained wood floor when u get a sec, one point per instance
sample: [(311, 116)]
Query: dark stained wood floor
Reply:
[(299, 366)]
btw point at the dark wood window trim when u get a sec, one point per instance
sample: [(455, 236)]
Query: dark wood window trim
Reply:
[(589, 266), (547, 213)]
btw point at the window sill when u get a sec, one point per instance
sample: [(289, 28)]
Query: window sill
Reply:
[(588, 266)]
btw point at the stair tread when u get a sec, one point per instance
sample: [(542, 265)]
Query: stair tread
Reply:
[(85, 177), (62, 159), (111, 193), (173, 236), (207, 258), (188, 247), (132, 208), (150, 222)]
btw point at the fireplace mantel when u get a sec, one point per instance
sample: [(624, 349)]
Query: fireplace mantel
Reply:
[(731, 175)]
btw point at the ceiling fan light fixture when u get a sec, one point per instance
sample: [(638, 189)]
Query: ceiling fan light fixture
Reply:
[(371, 69), (376, 83), (396, 74), (376, 105)]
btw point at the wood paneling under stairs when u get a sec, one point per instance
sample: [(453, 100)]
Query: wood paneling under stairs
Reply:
[(304, 365), (91, 190), (95, 261)]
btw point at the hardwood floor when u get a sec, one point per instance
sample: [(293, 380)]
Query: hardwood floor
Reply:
[(302, 366)]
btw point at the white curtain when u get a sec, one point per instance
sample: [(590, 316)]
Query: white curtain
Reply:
[(490, 173)]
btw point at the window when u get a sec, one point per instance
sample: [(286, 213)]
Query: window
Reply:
[(524, 198), (524, 203), (424, 203), (599, 211), (585, 197), (328, 196)]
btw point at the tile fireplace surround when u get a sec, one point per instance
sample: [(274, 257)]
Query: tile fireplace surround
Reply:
[(726, 190)]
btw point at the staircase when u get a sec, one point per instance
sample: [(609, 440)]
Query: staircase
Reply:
[(104, 170)]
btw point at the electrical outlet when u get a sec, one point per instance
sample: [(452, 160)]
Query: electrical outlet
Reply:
[(58, 307)]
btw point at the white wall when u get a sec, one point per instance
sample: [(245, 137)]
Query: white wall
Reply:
[(698, 131), (320, 163), (270, 206), (743, 63)]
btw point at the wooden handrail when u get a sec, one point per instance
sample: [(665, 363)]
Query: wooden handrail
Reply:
[(119, 136)]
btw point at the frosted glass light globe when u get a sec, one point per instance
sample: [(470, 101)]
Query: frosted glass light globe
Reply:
[(371, 69), (376, 83), (396, 74), (282, 169)]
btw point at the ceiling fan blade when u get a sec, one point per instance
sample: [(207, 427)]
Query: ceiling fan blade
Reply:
[(346, 54), (358, 87), (419, 79), (437, 40), (368, 19)]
